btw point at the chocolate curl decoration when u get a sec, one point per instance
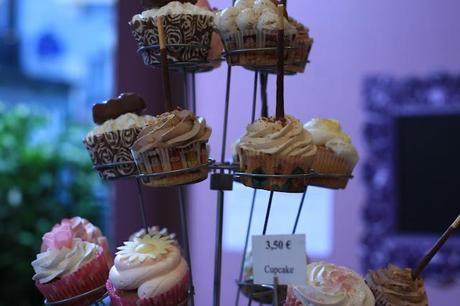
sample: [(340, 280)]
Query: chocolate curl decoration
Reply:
[(284, 2), (164, 64), (280, 64), (428, 256)]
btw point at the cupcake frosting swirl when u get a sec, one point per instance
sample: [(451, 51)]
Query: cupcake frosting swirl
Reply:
[(328, 133), (271, 136), (394, 286), (178, 128), (151, 265), (55, 263), (328, 284)]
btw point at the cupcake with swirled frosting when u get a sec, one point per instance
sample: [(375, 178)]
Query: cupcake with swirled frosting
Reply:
[(67, 266), (336, 153), (83, 229), (272, 146), (393, 286), (330, 285), (177, 141), (188, 33), (148, 270)]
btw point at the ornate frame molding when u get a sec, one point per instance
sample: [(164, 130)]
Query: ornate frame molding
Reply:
[(385, 99)]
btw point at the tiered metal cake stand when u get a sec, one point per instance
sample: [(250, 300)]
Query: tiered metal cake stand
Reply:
[(223, 175)]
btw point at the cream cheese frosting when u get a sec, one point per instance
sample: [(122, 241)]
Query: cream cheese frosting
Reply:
[(54, 263), (151, 265), (173, 8), (395, 286), (328, 284), (271, 136), (178, 128), (123, 122), (249, 15), (328, 133)]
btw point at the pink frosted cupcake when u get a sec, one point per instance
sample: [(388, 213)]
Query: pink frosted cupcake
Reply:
[(86, 231), (69, 266), (149, 271)]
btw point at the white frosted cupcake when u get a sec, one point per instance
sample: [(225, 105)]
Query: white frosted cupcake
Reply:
[(253, 24), (336, 154), (118, 122), (148, 271), (330, 285)]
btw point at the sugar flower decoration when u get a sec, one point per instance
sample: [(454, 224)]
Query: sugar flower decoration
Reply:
[(146, 247), (59, 237)]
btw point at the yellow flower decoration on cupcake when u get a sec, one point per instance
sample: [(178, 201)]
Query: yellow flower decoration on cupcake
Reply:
[(146, 247)]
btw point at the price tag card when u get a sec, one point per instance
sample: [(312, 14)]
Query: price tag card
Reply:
[(280, 255)]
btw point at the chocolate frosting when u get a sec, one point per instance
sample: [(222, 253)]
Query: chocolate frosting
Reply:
[(148, 4), (113, 108), (393, 286)]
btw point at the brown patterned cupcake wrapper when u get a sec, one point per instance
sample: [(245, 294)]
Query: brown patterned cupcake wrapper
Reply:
[(327, 162), (193, 30), (113, 147), (261, 163), (169, 159), (295, 59)]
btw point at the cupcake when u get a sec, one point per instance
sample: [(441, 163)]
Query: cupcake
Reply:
[(68, 266), (83, 229), (336, 154), (393, 286), (188, 29), (177, 141), (148, 271), (272, 146), (119, 121), (253, 24), (328, 284)]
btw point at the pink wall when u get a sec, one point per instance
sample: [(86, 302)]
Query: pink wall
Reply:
[(352, 39)]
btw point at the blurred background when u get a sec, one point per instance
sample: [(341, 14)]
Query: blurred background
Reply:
[(56, 60), (58, 57)]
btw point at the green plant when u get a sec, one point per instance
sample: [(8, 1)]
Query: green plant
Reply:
[(42, 180)]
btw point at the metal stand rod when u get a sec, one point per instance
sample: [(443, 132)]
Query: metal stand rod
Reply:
[(299, 211), (141, 204), (227, 101), (220, 202), (248, 231), (185, 240), (185, 76), (267, 215), (218, 253), (263, 93), (193, 93), (250, 301), (254, 97), (275, 290)]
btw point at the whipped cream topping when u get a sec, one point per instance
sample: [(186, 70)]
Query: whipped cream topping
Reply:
[(150, 265), (271, 136), (249, 15), (178, 128), (394, 286), (328, 284), (123, 122), (328, 133), (55, 263), (173, 8)]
